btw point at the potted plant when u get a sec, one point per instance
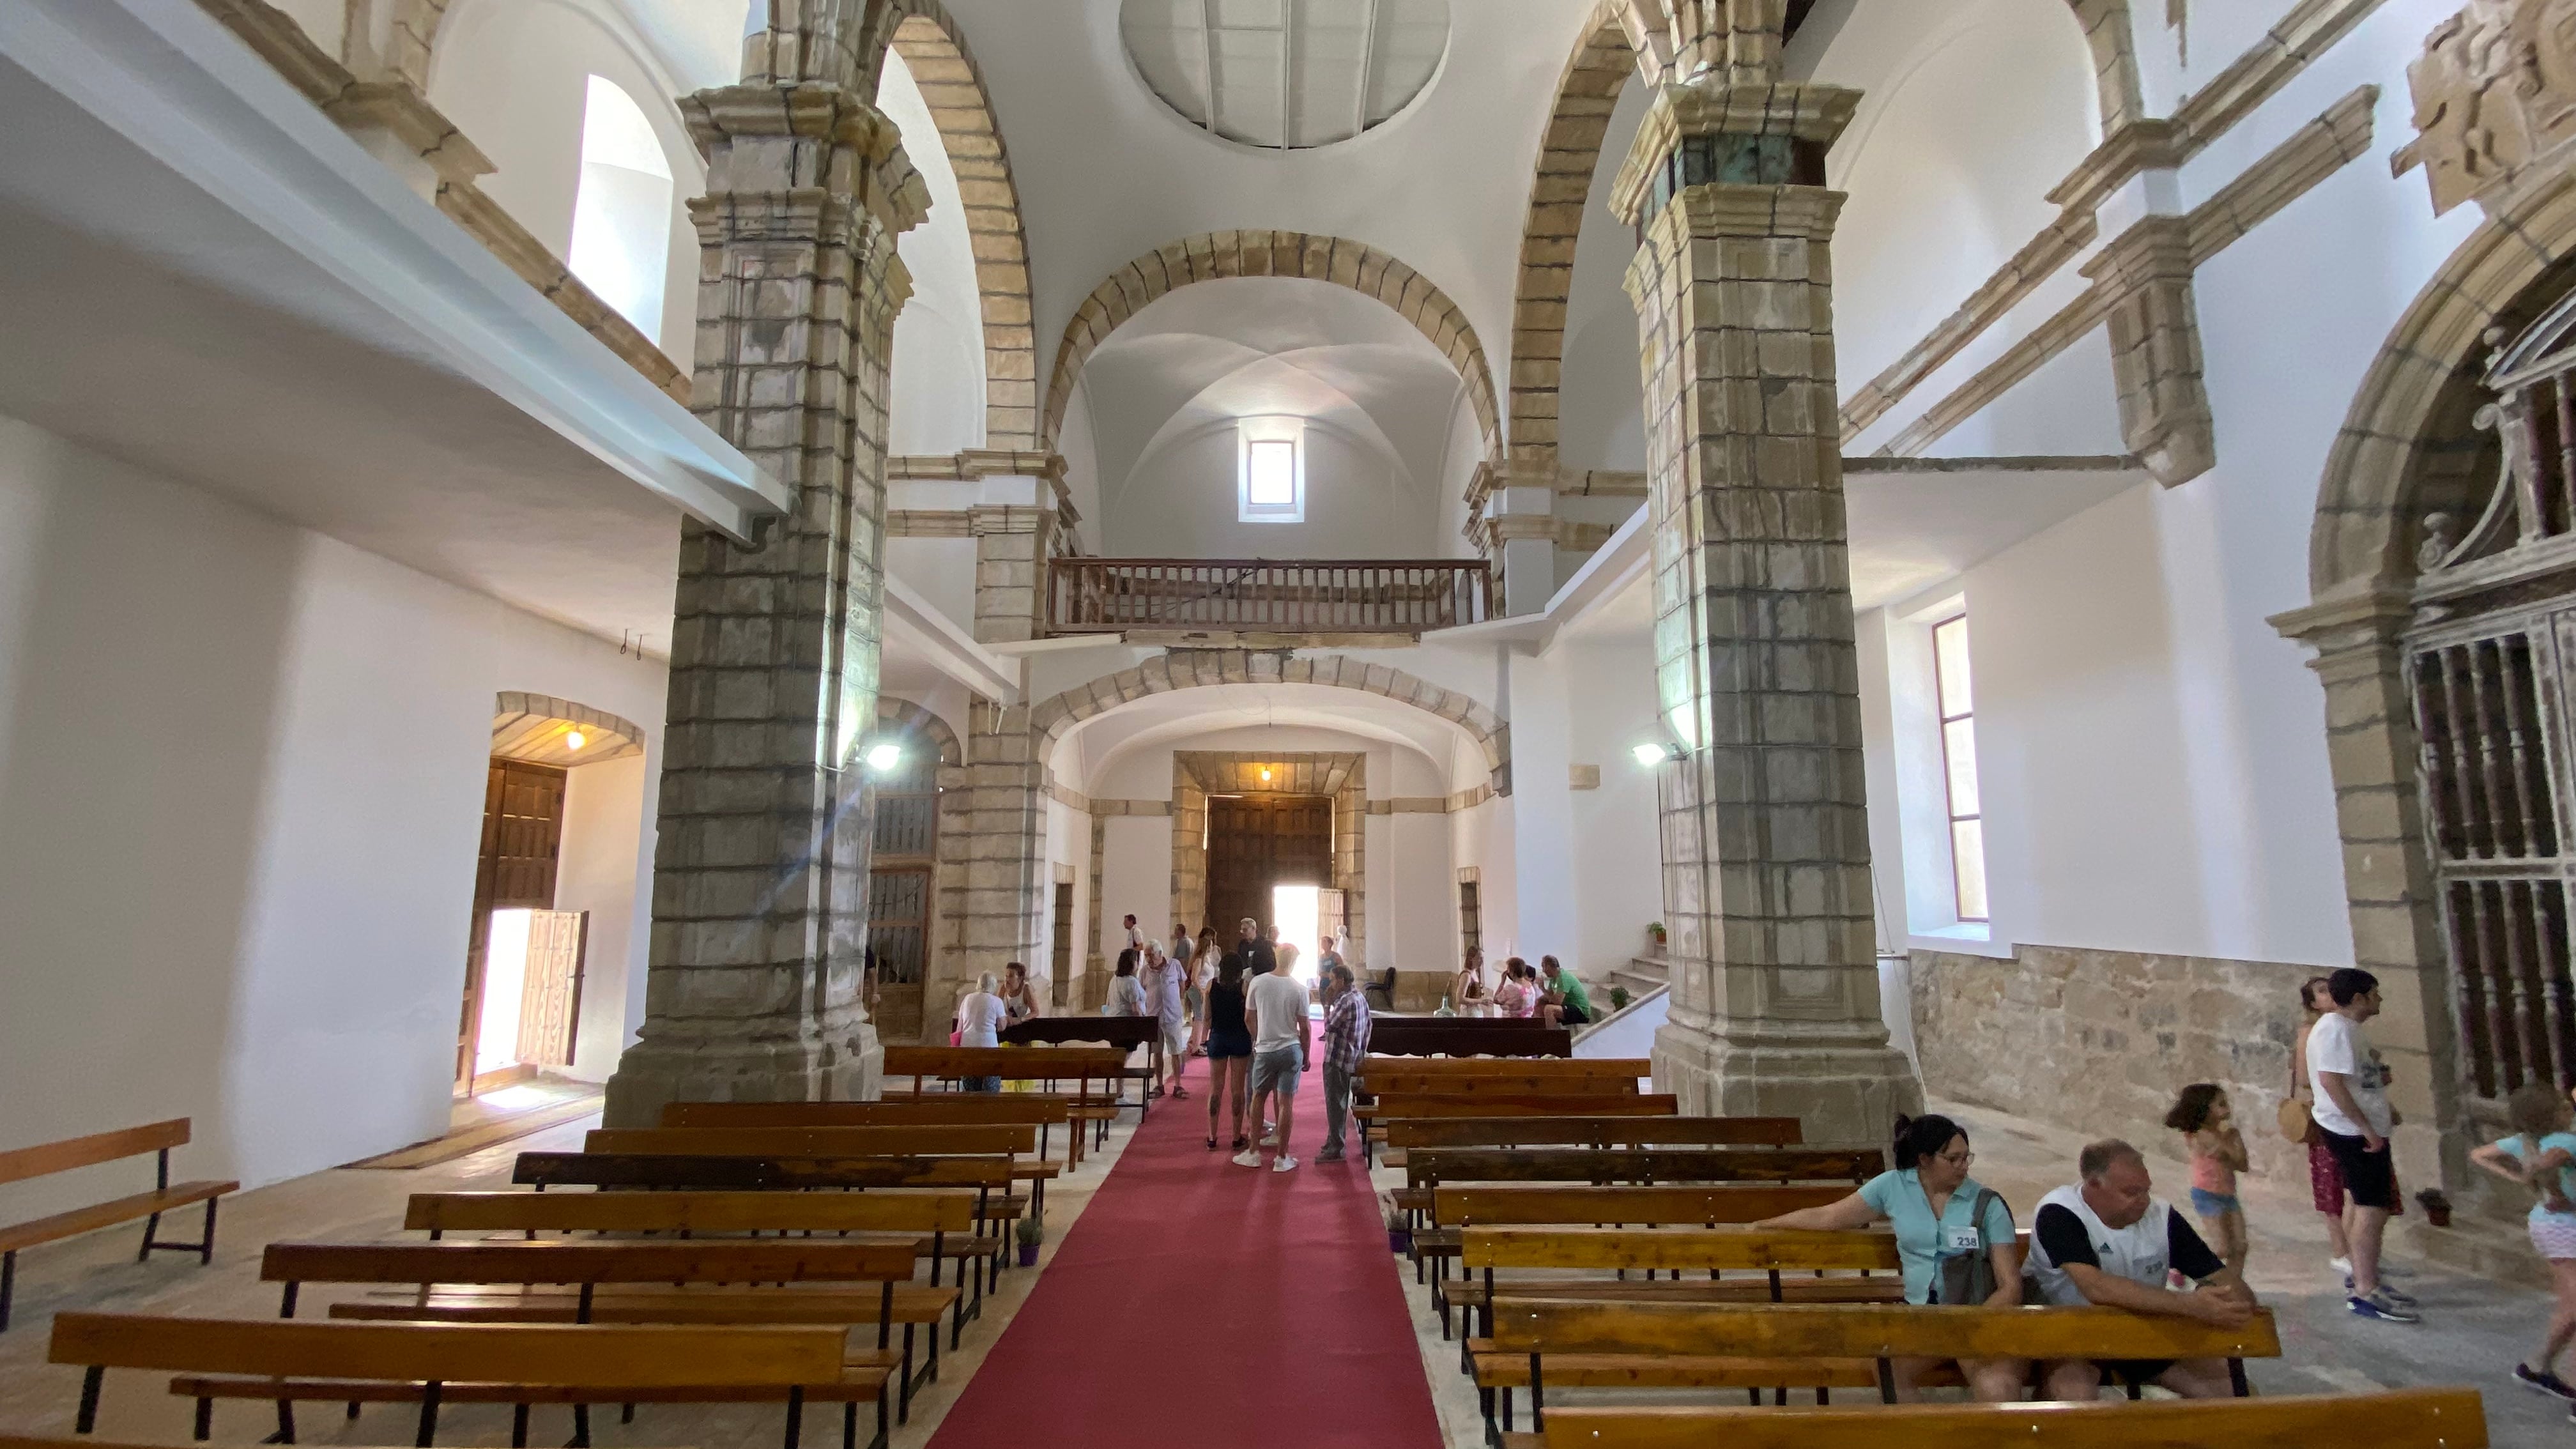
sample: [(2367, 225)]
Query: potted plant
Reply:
[(1618, 998), (1655, 938), (1032, 1231), (1399, 1238), (2436, 1205)]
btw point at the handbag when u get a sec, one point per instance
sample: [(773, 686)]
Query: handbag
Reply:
[(2295, 1122), (1969, 1278)]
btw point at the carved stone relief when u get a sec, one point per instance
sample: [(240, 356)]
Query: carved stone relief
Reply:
[(2495, 91)]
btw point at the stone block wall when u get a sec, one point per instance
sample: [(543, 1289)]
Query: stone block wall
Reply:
[(2101, 1041)]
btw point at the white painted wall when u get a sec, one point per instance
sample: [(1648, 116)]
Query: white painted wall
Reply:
[(1618, 857), (511, 75), (243, 767), (1181, 502)]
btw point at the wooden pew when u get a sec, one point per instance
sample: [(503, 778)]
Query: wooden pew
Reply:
[(999, 1140), (940, 1225), (1082, 1065), (1456, 1210), (1416, 1084), (429, 1364), (1468, 1036), (1408, 1133), (46, 1159), (1791, 1338), (2400, 1419), (1624, 1101), (1045, 1112), (676, 1270), (1507, 1066), (1124, 1034)]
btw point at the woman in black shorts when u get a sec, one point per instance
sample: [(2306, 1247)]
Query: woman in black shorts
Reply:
[(1229, 1046)]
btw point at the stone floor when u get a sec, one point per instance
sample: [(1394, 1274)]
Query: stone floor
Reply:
[(98, 1272), (2474, 1329)]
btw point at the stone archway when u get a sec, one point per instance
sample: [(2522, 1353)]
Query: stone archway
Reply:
[(2409, 448), (1214, 256), (1569, 152), (1050, 720)]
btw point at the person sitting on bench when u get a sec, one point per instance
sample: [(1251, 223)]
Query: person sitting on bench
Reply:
[(2109, 1241), (1955, 1235)]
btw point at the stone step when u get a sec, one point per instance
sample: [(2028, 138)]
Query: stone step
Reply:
[(1642, 974), (2472, 1244)]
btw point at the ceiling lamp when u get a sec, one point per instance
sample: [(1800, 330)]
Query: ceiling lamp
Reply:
[(1265, 774), (575, 739)]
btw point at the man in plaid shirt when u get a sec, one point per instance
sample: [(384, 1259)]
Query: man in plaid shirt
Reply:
[(1346, 1037)]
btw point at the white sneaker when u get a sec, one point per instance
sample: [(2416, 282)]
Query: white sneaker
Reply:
[(2340, 1265), (1270, 1141), (1284, 1163), (1247, 1158)]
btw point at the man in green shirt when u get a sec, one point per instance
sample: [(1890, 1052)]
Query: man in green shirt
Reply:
[(1565, 993)]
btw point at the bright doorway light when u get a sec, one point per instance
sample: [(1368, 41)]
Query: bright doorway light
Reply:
[(1298, 913), (505, 981), (883, 758)]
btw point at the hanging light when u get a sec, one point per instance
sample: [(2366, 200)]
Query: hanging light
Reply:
[(575, 740), (1265, 774), (884, 757)]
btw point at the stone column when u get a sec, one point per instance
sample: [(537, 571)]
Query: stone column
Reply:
[(2395, 903), (1006, 814), (761, 871), (1764, 829), (2145, 275), (1521, 528)]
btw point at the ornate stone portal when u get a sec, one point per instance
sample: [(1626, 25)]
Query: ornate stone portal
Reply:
[(760, 876), (1763, 818)]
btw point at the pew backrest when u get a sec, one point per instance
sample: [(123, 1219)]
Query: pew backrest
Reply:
[(1016, 1064), (1869, 1331), (1409, 1133), (691, 1212), (1475, 1207), (1126, 1033), (947, 1109), (1468, 1037), (990, 1140), (1472, 1067), (550, 1354), (755, 1174), (1390, 1108), (1697, 1250), (1415, 1084), (1643, 1166), (47, 1158), (2403, 1419), (767, 1260)]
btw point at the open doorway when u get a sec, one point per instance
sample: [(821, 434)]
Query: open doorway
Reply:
[(523, 963), (1268, 857)]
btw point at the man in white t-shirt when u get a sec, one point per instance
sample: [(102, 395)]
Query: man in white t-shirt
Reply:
[(1280, 1038), (2353, 1115)]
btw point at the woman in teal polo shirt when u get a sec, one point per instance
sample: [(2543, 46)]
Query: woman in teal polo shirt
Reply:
[(1943, 1220)]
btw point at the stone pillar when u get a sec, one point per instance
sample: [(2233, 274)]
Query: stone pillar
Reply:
[(1006, 814), (761, 871), (1522, 528), (2395, 903), (1763, 818), (2145, 275)]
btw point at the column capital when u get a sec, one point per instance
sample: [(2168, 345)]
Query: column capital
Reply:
[(835, 145), (1708, 132)]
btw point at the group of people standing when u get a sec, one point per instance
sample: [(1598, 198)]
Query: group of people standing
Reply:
[(1547, 991)]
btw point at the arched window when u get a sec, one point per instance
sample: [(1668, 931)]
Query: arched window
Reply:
[(621, 216)]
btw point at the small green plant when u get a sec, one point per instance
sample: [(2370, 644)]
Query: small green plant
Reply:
[(1656, 930), (1618, 998), (1031, 1231)]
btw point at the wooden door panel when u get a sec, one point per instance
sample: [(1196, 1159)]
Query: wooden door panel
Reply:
[(1257, 843), (550, 1003)]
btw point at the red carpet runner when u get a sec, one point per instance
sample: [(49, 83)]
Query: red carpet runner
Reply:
[(1197, 1303)]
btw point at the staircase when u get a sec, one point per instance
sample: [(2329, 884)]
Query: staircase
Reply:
[(1642, 975)]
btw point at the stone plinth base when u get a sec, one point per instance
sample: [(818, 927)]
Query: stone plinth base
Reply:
[(1845, 1085), (651, 1076)]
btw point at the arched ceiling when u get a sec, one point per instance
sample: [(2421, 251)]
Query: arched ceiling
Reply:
[(1089, 749)]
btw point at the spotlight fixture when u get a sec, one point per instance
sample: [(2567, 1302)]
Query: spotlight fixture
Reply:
[(575, 740), (1651, 753), (883, 758), (1265, 774)]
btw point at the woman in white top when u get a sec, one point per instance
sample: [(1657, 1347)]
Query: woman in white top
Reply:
[(1467, 989), (980, 1018), (1126, 994)]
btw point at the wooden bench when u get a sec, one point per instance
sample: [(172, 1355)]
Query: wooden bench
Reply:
[(1404, 1134), (2400, 1419), (1081, 1065), (1125, 1034), (673, 1268), (1428, 1169), (1659, 1341), (946, 1218), (946, 1109), (992, 1140), (430, 1364), (1544, 1102), (1471, 1067), (48, 1158), (1468, 1036)]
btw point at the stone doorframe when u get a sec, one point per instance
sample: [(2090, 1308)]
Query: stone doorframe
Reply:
[(1197, 774), (2409, 448)]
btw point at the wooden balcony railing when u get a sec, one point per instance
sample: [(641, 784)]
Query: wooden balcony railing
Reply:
[(1352, 596)]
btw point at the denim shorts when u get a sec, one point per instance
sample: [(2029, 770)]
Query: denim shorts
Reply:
[(2212, 1204)]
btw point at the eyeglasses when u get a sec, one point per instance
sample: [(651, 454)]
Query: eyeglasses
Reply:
[(1959, 1159)]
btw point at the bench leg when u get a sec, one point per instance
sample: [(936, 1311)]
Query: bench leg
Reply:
[(428, 1415), (206, 1247), (2236, 1378), (1485, 1397), (1538, 1398), (8, 1286), (285, 1422), (626, 1413), (518, 1426), (850, 1425), (92, 1379), (795, 1415), (1886, 1381), (580, 1427), (151, 1225)]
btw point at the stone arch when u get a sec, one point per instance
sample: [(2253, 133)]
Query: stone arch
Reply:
[(537, 727), (935, 51), (1569, 152), (1052, 719), (1212, 256), (905, 717)]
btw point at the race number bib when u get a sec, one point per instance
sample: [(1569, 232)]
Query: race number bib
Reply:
[(1958, 1240)]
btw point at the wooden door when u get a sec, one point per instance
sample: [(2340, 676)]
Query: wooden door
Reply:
[(1333, 918), (1060, 964), (550, 1002), (1257, 843), (522, 843)]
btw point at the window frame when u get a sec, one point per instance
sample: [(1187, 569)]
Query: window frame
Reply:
[(1252, 432), (1943, 718)]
